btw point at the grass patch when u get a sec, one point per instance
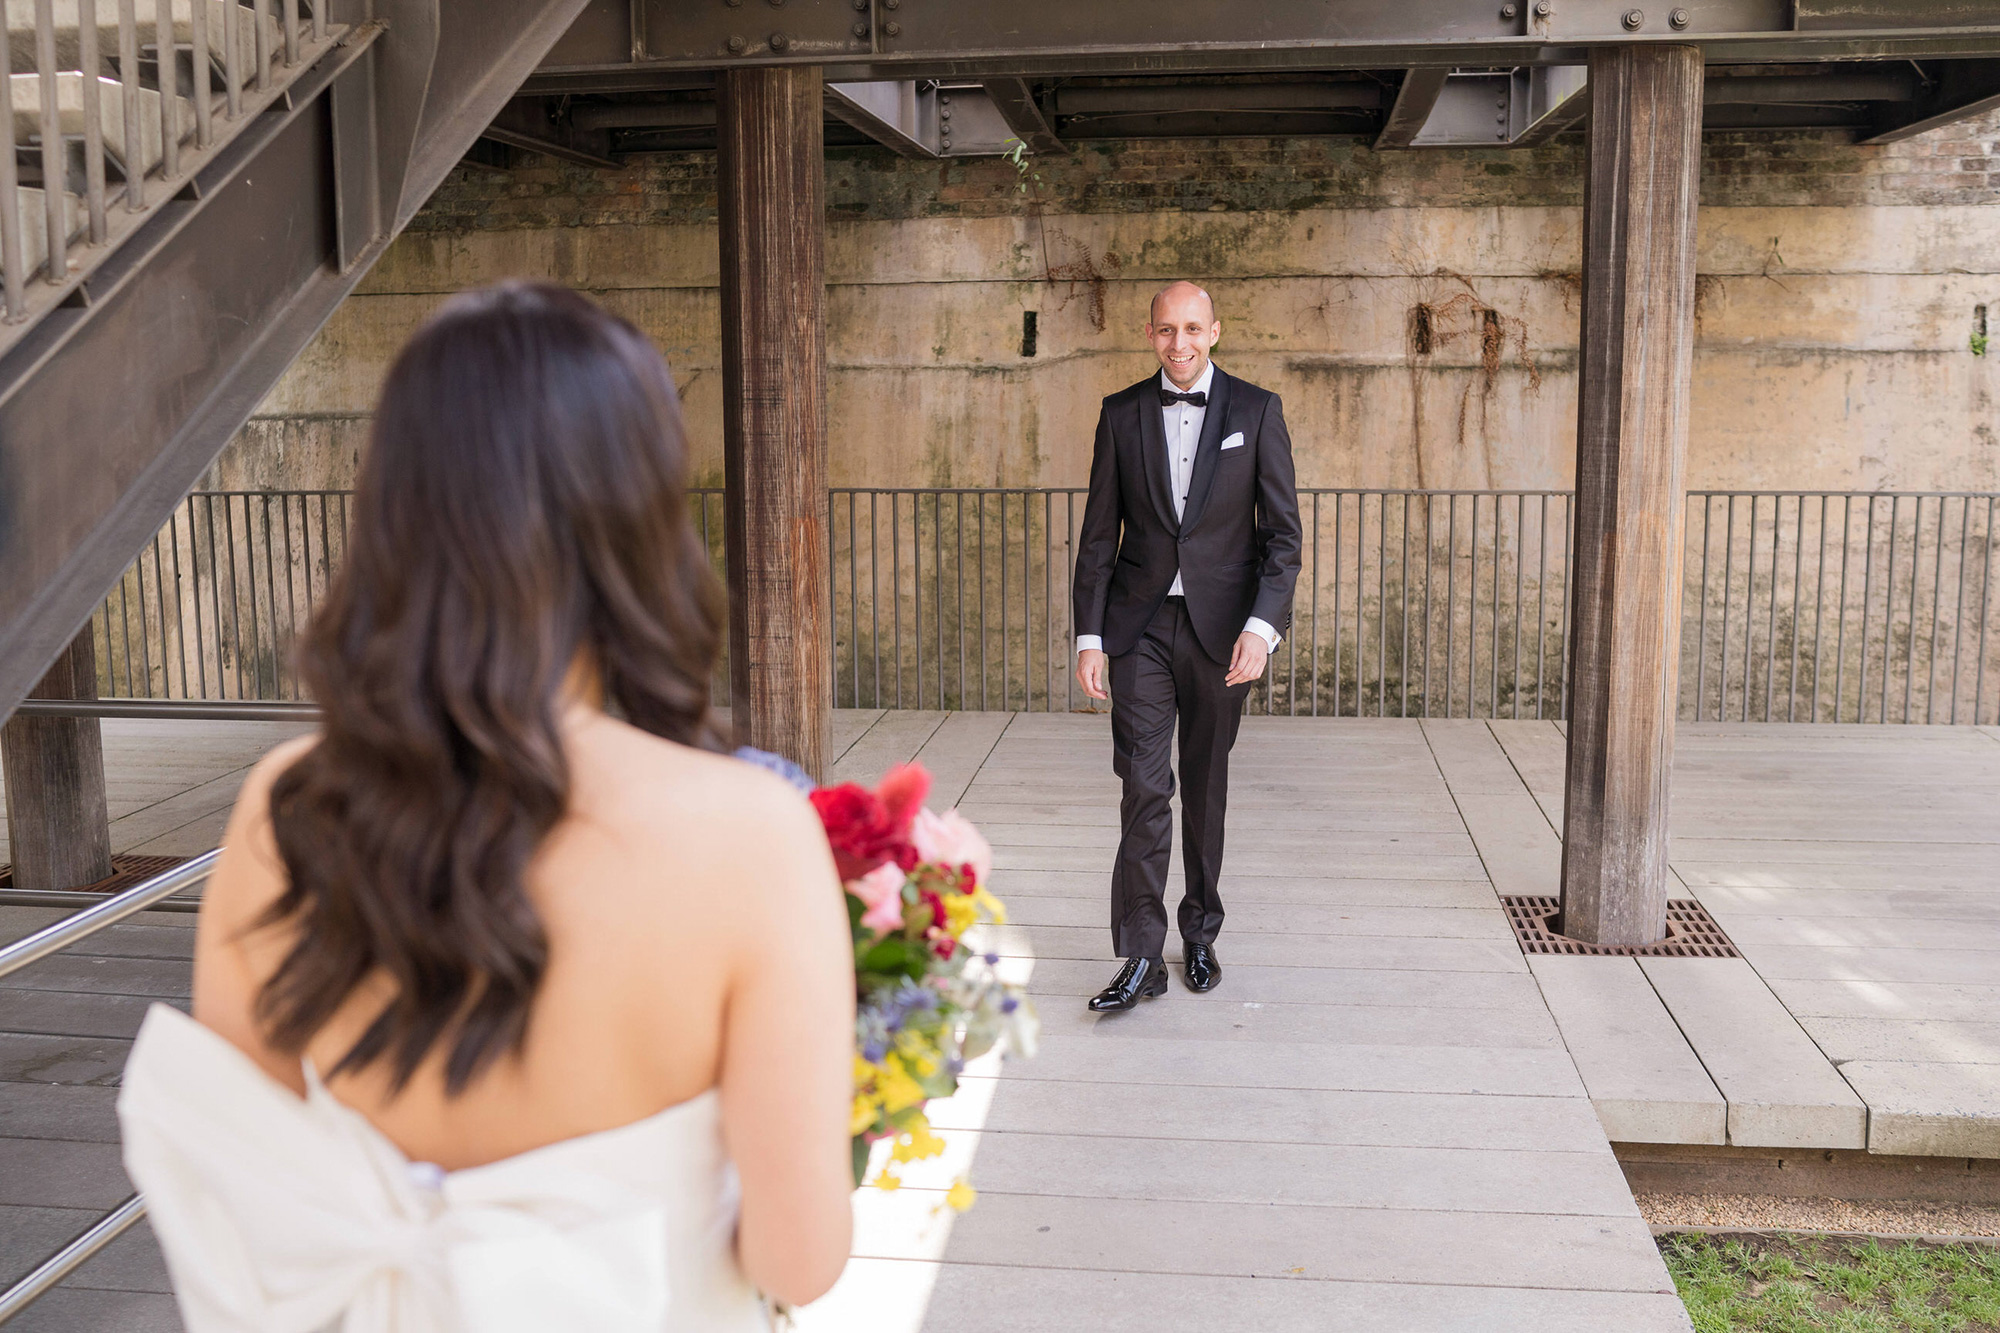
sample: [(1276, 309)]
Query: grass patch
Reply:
[(1810, 1284)]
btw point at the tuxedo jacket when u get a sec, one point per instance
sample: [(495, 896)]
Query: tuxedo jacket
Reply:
[(1235, 546)]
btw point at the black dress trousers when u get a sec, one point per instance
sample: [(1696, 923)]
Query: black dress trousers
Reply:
[(1167, 677)]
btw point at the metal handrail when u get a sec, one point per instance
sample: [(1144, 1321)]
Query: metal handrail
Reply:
[(13, 957), (110, 912), (70, 1257), (184, 710)]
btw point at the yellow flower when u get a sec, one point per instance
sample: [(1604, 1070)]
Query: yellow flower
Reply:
[(862, 1116), (960, 911), (961, 1197), (894, 1085), (887, 1180), (993, 906), (917, 1142), (864, 1073)]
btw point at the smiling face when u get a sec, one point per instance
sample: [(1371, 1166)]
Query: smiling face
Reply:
[(1182, 328)]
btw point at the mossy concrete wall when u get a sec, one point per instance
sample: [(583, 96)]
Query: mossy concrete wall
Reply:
[(1417, 310)]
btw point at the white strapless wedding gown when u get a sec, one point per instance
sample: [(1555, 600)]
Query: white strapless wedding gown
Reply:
[(282, 1215)]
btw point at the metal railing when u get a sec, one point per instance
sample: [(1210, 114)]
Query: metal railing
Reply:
[(114, 105), (1796, 606), (155, 893)]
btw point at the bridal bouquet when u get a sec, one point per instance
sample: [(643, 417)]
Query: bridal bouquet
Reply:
[(927, 1002)]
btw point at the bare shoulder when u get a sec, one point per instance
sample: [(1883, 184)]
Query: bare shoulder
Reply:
[(251, 868), (698, 811)]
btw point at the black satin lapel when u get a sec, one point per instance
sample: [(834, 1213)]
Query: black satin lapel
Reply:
[(1153, 444), (1207, 448)]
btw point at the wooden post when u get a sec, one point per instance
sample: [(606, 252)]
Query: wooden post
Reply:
[(772, 217), (58, 825), (1642, 169)]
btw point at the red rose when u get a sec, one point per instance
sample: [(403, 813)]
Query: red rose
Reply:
[(945, 948), (867, 828)]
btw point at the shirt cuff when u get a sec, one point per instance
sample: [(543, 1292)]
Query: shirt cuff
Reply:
[(1263, 630), (1084, 641)]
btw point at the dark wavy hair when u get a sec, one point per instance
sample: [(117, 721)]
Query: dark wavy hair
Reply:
[(522, 506)]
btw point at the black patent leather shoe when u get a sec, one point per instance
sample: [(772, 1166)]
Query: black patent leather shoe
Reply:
[(1203, 972), (1137, 980)]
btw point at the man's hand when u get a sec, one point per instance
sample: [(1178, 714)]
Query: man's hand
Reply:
[(1246, 663), (1091, 666)]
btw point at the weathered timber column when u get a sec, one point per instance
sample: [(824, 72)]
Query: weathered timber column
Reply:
[(58, 825), (771, 201), (1642, 167)]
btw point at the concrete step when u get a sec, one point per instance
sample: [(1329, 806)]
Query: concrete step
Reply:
[(21, 32), (26, 97)]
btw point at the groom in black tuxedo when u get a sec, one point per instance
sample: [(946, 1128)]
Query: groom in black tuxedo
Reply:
[(1184, 574)]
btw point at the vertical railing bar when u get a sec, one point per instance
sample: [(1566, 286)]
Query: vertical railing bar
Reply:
[(13, 245), (1771, 628), (1429, 550), (1403, 583), (1006, 700), (1450, 600), (1937, 593), (232, 55), (1360, 599), (1542, 603), (854, 594), (124, 637), (1958, 612), (291, 32), (1867, 597), (215, 600), (1750, 606), (1799, 577), (1382, 604), (1520, 549), (1048, 602), (198, 84), (55, 172), (1027, 605), (1728, 595), (1472, 618), (168, 63), (291, 596), (1338, 556), (875, 593), (92, 68), (1985, 605), (1889, 603), (1916, 563), (896, 586), (1314, 668), (261, 37), (235, 598), (980, 498), (1493, 658), (134, 156), (958, 536), (256, 634), (160, 600), (318, 21), (1569, 568), (1819, 603), (1840, 620), (145, 639), (180, 609), (1701, 628), (270, 594)]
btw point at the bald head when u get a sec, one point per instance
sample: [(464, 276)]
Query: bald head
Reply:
[(1176, 294), (1182, 327)]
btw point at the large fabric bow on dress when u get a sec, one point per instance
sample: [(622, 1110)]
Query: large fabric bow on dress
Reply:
[(282, 1215)]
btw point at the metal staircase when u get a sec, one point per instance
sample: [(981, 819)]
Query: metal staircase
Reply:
[(187, 190)]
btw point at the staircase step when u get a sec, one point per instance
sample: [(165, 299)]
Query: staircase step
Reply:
[(27, 101), (21, 32), (35, 226)]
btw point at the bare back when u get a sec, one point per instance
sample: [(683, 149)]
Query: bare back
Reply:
[(696, 940)]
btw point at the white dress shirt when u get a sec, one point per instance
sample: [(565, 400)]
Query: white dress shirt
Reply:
[(1183, 427)]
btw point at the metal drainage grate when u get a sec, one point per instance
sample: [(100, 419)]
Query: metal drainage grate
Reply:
[(125, 872), (1691, 932)]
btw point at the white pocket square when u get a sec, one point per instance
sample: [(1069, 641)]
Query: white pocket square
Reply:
[(1234, 441)]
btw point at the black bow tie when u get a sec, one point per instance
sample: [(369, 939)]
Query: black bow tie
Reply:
[(1168, 398)]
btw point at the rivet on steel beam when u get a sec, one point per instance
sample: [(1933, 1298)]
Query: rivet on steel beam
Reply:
[(1634, 17), (894, 30), (1543, 9), (893, 4), (779, 41), (736, 44), (1508, 11), (1679, 18), (861, 32)]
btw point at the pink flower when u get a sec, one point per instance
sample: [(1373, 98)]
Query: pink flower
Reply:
[(881, 890), (950, 839)]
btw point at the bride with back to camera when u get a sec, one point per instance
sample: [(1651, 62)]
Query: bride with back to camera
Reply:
[(518, 1005)]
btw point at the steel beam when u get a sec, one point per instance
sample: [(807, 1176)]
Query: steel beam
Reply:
[(1015, 101), (1031, 38), (529, 122), (207, 303), (898, 113), (1414, 103), (1961, 89)]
